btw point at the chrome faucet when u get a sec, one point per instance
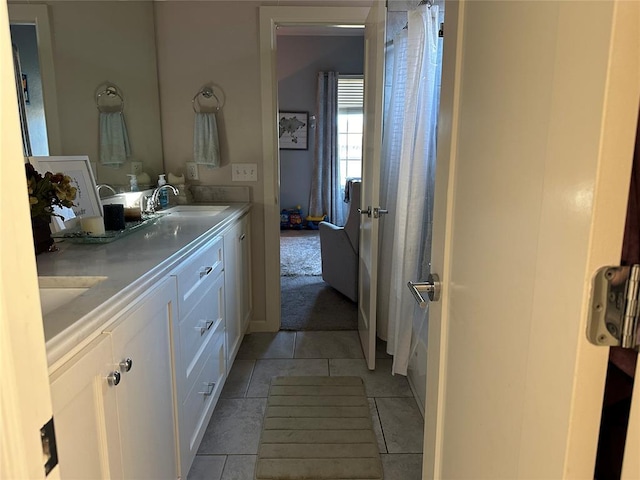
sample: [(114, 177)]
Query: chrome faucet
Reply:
[(104, 185), (152, 200)]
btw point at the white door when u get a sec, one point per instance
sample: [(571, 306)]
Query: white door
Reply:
[(24, 397), (369, 198), (539, 107)]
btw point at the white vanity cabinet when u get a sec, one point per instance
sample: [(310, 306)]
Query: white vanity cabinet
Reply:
[(135, 401), (199, 339), (237, 267), (113, 402)]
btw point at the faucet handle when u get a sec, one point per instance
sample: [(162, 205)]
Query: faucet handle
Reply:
[(149, 204)]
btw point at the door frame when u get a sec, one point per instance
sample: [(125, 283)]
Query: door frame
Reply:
[(270, 18)]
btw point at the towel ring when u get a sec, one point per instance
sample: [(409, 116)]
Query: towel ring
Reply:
[(206, 92), (110, 91)]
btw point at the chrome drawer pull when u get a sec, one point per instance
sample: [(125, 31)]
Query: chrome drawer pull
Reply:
[(210, 387), (205, 271), (243, 236), (204, 328)]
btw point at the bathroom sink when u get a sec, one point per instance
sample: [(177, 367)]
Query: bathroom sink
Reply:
[(194, 211), (58, 291)]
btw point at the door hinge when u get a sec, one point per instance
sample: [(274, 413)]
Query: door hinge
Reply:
[(49, 449), (613, 316)]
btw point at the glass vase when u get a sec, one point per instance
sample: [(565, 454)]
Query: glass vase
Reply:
[(42, 241)]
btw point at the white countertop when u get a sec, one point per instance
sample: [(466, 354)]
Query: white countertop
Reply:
[(132, 264)]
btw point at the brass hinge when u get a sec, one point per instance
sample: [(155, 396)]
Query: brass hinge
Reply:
[(614, 312)]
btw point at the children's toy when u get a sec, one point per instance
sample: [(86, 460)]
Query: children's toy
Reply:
[(313, 222), (291, 218)]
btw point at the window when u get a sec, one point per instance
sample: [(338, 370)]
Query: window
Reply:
[(350, 122)]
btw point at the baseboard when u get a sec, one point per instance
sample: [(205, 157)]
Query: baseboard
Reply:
[(415, 394), (419, 358)]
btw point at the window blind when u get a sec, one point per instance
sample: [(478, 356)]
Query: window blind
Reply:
[(350, 93)]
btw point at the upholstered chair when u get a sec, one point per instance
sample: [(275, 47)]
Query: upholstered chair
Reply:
[(339, 248)]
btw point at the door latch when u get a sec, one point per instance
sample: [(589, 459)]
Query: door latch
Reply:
[(614, 312), (49, 449), (377, 211), (366, 212)]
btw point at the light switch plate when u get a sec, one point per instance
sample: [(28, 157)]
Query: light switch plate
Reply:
[(244, 172)]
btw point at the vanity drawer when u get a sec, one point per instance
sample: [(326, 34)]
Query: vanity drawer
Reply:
[(204, 321), (197, 273), (198, 406)]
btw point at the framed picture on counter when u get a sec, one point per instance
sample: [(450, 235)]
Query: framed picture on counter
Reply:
[(87, 203), (293, 130)]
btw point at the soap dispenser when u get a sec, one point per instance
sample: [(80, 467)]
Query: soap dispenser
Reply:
[(133, 182), (163, 196)]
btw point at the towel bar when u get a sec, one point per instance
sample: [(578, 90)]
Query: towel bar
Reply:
[(206, 92)]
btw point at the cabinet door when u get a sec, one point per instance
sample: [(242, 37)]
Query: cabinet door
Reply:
[(244, 279), (231, 274), (144, 394), (85, 414)]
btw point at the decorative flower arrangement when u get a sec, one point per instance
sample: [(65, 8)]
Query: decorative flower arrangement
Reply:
[(45, 192)]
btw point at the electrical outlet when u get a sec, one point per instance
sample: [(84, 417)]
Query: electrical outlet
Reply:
[(136, 168), (192, 171), (244, 172)]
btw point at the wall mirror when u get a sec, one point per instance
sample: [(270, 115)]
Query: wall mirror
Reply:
[(67, 51)]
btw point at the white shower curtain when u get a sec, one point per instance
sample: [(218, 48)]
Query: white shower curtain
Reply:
[(409, 167)]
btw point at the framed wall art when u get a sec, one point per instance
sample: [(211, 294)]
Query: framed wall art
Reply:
[(87, 203), (293, 130)]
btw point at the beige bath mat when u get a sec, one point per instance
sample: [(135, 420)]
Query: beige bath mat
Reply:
[(318, 428)]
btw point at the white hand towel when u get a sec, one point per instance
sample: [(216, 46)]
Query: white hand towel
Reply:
[(114, 141), (206, 147)]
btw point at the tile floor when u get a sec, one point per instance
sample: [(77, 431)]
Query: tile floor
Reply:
[(230, 444)]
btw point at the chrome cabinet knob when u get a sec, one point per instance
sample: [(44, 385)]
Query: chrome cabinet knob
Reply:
[(126, 364), (113, 378)]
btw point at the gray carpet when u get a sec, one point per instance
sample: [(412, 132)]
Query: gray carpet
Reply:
[(318, 428), (307, 302), (300, 252), (310, 304)]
